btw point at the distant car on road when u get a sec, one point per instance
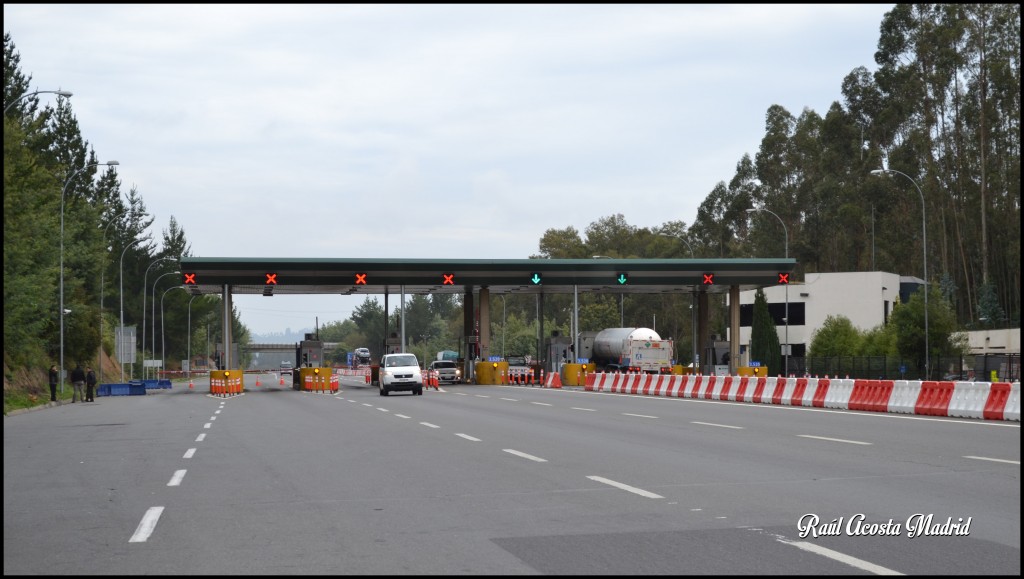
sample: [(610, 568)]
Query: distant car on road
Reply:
[(286, 367), (361, 357), (448, 372)]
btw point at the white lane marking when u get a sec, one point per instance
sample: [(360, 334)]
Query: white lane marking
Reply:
[(994, 459), (842, 558), (625, 487), (189, 453), (430, 425), (462, 394), (146, 525), (403, 416), (365, 404), (586, 409), (176, 479), (638, 415), (511, 399), (835, 439), (217, 412), (481, 396), (541, 403), (467, 437), (201, 437), (524, 455), (383, 409), (213, 418), (207, 425), (718, 425)]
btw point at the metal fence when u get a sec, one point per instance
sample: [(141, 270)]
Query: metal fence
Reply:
[(974, 367)]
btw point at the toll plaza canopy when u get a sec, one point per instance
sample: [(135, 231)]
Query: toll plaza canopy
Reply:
[(351, 276)]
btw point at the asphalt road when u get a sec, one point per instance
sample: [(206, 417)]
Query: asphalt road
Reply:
[(500, 480)]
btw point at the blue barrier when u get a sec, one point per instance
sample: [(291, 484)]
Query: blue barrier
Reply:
[(151, 384), (164, 383), (133, 388)]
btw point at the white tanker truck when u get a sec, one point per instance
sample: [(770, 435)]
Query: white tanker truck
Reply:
[(628, 350)]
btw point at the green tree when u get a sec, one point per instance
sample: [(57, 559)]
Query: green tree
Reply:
[(836, 337), (764, 339)]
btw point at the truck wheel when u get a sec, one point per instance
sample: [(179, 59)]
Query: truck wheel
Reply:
[(383, 391), (419, 391)]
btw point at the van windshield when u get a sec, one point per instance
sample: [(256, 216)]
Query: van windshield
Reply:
[(398, 361)]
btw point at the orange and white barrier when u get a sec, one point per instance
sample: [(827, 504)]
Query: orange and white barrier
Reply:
[(983, 400)]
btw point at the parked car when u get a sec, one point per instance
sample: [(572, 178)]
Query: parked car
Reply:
[(400, 372), (286, 367), (448, 372)]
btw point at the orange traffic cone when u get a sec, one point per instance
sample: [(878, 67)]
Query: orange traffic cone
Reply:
[(190, 387), (257, 380), (282, 380)]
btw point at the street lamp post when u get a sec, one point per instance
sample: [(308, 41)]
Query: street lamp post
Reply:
[(63, 93), (163, 335), (785, 231), (99, 355), (145, 276), (120, 340), (622, 306), (693, 306), (189, 354), (152, 341), (62, 311), (503, 326), (924, 251)]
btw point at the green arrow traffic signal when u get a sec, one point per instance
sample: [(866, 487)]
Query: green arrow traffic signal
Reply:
[(535, 279), (623, 278)]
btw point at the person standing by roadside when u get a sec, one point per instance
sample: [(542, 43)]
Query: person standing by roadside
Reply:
[(54, 378), (90, 384), (77, 381)]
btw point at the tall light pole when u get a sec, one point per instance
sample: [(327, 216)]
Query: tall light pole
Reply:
[(120, 350), (785, 231), (693, 305), (622, 306), (189, 354), (152, 341), (924, 251), (502, 326), (103, 271), (163, 335), (63, 311), (63, 93), (145, 277)]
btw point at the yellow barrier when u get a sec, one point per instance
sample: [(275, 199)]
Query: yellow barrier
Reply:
[(492, 372), (572, 374)]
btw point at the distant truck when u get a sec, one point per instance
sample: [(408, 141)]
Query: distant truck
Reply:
[(638, 350), (449, 355), (361, 357)]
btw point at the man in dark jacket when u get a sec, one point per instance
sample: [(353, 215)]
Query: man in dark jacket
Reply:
[(90, 385), (77, 382), (54, 378)]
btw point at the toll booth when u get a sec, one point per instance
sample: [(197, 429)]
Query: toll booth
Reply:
[(310, 353)]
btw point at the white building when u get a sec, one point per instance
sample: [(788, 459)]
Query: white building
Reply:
[(865, 298)]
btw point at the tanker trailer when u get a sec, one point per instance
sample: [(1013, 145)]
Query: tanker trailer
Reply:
[(631, 350)]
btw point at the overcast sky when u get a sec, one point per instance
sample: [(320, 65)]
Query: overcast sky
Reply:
[(427, 131)]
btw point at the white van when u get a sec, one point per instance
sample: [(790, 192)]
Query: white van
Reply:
[(400, 372)]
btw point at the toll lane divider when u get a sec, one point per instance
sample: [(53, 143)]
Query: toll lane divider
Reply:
[(363, 373), (982, 400)]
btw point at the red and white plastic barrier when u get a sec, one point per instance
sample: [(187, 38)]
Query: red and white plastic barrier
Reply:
[(983, 400)]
